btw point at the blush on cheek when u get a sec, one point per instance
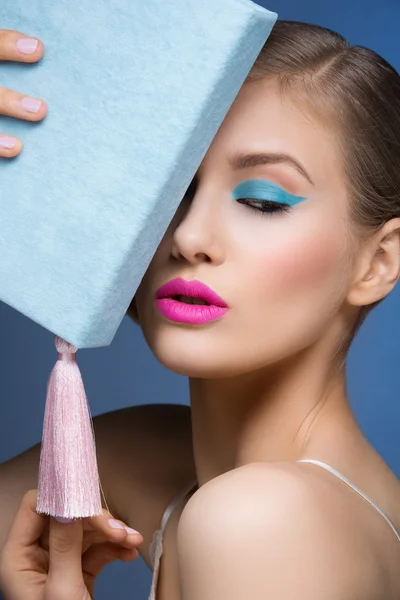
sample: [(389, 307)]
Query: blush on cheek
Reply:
[(294, 298), (306, 263)]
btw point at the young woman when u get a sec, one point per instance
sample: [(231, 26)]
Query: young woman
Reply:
[(291, 231)]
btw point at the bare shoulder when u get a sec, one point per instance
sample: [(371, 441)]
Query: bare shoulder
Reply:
[(145, 459), (276, 534)]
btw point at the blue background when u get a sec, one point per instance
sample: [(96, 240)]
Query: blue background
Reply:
[(126, 373)]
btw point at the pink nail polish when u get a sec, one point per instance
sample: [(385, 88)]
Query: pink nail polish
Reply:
[(130, 530), (30, 104), (115, 524), (27, 45), (7, 142), (64, 520)]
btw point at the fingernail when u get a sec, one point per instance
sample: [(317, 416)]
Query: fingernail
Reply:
[(63, 519), (115, 524), (130, 530), (7, 142), (27, 45), (30, 104)]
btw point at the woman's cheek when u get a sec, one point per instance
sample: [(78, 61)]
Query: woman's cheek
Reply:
[(304, 263)]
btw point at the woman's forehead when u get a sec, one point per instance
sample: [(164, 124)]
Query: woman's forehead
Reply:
[(261, 121)]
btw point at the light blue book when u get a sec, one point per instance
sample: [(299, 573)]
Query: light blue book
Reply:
[(136, 92)]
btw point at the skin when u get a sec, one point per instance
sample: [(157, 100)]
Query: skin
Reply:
[(293, 282), (10, 100), (43, 557), (262, 387), (264, 391)]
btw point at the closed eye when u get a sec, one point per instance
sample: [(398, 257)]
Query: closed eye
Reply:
[(265, 197), (261, 206), (267, 207)]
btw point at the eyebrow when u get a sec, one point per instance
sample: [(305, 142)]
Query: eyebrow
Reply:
[(245, 161)]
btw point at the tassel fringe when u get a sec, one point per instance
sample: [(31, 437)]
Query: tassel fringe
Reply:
[(69, 485)]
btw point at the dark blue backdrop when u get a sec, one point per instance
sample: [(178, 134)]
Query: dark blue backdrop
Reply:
[(126, 373)]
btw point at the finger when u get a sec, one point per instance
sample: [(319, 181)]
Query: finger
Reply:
[(115, 530), (27, 526), (100, 555), (9, 146), (16, 46), (21, 106), (65, 556), (97, 530)]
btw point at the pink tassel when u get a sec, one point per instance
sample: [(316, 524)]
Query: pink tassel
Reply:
[(69, 485)]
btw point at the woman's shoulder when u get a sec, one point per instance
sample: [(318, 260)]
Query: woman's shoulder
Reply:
[(293, 524)]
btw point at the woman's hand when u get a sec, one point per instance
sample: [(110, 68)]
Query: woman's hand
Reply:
[(46, 560), (15, 46)]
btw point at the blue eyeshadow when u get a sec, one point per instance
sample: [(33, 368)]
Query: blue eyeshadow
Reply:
[(261, 189)]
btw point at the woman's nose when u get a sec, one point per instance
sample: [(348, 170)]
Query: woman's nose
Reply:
[(198, 235)]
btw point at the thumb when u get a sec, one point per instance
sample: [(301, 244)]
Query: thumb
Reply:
[(26, 528), (65, 552)]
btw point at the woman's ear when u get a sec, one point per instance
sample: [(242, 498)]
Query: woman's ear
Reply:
[(132, 311), (378, 266)]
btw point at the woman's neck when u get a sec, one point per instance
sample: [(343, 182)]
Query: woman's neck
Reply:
[(282, 413)]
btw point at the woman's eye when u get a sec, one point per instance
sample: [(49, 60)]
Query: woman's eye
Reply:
[(264, 206)]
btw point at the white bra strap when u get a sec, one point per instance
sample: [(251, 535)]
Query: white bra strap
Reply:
[(171, 507), (353, 487)]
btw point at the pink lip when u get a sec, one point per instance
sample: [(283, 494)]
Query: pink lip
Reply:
[(189, 313)]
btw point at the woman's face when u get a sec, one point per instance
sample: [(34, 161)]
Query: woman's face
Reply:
[(282, 274)]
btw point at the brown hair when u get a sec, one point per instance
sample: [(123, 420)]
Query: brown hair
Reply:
[(358, 91)]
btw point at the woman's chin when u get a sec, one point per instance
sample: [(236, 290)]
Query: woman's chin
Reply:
[(202, 352), (190, 361), (200, 363), (184, 362)]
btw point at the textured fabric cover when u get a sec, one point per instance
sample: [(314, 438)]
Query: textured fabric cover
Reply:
[(136, 92)]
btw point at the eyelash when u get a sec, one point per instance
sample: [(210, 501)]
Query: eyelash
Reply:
[(265, 204), (263, 209)]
